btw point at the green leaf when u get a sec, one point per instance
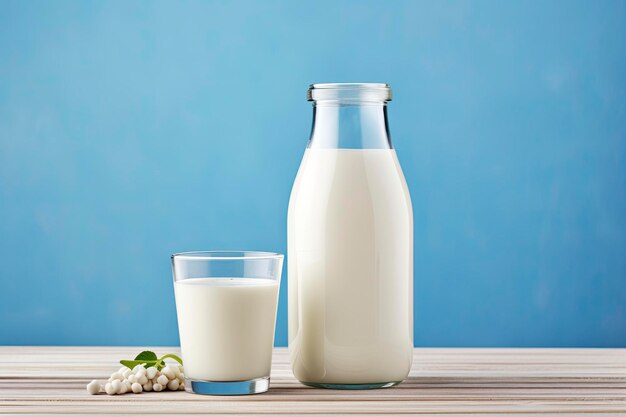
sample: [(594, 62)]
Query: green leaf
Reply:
[(150, 358), (146, 355), (131, 364), (128, 364), (171, 355)]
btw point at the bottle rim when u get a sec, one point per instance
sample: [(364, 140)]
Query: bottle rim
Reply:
[(349, 92)]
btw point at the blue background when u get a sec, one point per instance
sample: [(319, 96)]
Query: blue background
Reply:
[(132, 130)]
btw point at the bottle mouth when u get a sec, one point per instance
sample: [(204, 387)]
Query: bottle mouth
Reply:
[(347, 93)]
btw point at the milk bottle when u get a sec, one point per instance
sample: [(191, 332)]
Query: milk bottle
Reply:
[(350, 246)]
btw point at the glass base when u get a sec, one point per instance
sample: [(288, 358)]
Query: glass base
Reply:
[(374, 385), (252, 386)]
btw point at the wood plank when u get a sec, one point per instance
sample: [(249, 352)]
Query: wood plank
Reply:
[(49, 380)]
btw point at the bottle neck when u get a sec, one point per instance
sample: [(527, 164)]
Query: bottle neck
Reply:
[(351, 126)]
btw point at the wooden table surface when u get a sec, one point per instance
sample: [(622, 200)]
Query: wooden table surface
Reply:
[(51, 380)]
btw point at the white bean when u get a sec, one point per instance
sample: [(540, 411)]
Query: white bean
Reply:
[(181, 387), (132, 378), (108, 388), (93, 387), (157, 387), (137, 368), (147, 386), (116, 386), (173, 384), (151, 372), (137, 388), (117, 376), (142, 380), (163, 380), (127, 373), (123, 389), (168, 372), (176, 370)]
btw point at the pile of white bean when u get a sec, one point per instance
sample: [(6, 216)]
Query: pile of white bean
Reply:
[(140, 379)]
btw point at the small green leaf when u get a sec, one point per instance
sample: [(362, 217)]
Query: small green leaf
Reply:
[(150, 359), (131, 364), (128, 364), (146, 355), (171, 355)]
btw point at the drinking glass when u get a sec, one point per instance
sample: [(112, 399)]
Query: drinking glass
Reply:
[(226, 305)]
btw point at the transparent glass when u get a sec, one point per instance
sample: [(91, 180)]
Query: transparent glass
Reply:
[(226, 306), (350, 246)]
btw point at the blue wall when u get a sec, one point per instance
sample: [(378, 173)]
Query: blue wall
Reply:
[(131, 130)]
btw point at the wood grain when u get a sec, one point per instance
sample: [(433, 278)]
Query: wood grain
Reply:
[(51, 380)]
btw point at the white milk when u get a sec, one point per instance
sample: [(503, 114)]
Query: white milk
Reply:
[(350, 232), (226, 327)]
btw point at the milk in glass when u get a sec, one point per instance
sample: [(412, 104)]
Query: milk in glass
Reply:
[(226, 327)]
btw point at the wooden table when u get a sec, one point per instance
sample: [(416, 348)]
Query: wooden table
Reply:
[(51, 380)]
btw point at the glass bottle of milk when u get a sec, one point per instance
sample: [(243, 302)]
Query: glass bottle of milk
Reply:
[(350, 246)]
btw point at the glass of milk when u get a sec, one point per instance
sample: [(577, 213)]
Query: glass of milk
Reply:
[(226, 305)]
